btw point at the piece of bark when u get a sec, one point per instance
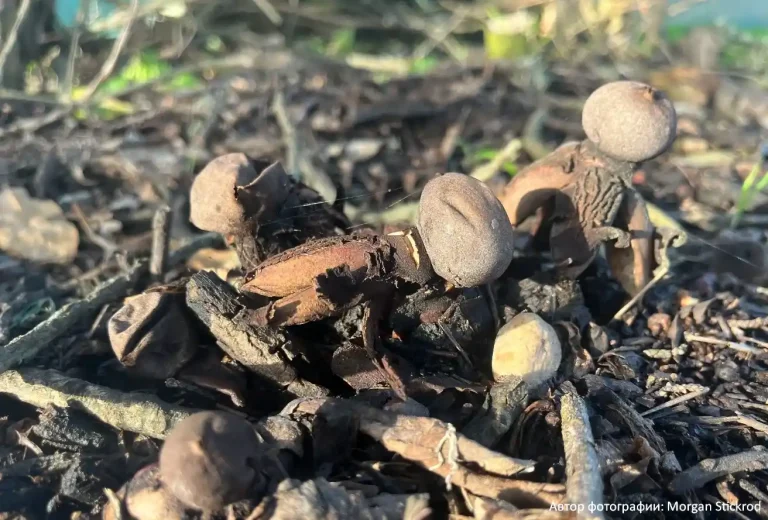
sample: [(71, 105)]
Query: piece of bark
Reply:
[(710, 469), (504, 404), (384, 361), (258, 349), (637, 424), (133, 412), (437, 446), (584, 486), (331, 294)]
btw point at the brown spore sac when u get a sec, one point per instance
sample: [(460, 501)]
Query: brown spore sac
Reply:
[(629, 120), (209, 461), (466, 232)]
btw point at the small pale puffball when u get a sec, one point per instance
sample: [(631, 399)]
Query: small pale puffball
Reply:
[(526, 347)]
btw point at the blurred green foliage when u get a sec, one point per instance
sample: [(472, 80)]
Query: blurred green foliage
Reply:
[(751, 187)]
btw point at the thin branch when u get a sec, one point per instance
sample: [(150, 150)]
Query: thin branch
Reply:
[(13, 35), (74, 43), (161, 228), (269, 11), (676, 401), (114, 54)]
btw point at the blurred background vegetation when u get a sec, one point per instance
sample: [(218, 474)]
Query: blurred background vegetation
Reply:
[(57, 47)]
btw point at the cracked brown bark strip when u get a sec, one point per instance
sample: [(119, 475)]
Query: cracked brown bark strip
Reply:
[(216, 304), (585, 483), (133, 412)]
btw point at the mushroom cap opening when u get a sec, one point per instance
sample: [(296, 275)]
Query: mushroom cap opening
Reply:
[(465, 229), (629, 120), (206, 460)]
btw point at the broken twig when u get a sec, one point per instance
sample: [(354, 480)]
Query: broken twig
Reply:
[(161, 226)]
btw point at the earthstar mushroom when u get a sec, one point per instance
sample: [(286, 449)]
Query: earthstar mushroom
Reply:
[(582, 193)]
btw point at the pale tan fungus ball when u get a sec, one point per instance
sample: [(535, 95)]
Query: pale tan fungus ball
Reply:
[(526, 347)]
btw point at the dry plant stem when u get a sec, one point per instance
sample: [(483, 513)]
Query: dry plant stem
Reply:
[(636, 424), (509, 153), (436, 446), (636, 298), (114, 54), (161, 227), (675, 401), (33, 124), (710, 469), (585, 483), (62, 321), (134, 412), (13, 34)]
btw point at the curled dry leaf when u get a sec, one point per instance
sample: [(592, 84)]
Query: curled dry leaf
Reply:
[(150, 334), (353, 365), (35, 229)]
